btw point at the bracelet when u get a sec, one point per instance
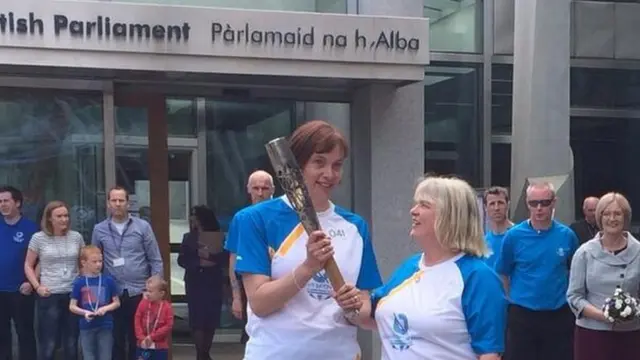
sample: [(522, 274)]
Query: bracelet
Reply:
[(295, 282)]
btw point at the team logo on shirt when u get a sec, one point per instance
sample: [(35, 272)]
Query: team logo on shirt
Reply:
[(18, 237), (400, 340), (319, 287), (561, 252)]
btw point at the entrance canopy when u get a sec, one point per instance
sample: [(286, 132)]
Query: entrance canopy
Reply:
[(104, 38)]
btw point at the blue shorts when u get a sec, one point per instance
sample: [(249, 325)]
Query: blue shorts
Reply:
[(152, 354)]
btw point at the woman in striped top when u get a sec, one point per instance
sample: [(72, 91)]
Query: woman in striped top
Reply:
[(56, 249)]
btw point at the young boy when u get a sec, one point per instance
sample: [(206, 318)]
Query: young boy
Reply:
[(154, 321), (93, 297)]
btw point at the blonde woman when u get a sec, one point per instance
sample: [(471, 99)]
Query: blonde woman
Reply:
[(57, 249), (609, 260), (444, 303)]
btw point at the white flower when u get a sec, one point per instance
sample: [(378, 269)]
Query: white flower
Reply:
[(626, 312), (618, 304), (617, 292), (611, 319), (627, 301), (607, 300)]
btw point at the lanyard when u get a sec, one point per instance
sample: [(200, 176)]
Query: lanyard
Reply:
[(113, 237), (86, 281), (155, 323)]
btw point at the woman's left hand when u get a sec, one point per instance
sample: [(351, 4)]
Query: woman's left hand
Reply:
[(348, 297)]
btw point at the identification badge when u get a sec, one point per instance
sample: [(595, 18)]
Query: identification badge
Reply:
[(118, 262)]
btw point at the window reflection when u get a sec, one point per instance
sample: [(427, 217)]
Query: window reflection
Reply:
[(236, 134), (52, 149), (455, 25), (452, 121), (603, 149), (501, 99), (605, 88)]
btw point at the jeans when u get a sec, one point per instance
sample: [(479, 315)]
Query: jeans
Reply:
[(19, 308), (55, 321), (124, 335), (96, 343)]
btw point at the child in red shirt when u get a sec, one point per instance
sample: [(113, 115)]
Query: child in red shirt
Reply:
[(154, 321)]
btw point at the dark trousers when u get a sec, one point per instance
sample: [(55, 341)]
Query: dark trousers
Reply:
[(244, 337), (55, 321), (539, 335), (19, 308), (606, 345), (124, 334)]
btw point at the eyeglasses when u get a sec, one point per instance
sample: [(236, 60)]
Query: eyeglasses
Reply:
[(543, 203)]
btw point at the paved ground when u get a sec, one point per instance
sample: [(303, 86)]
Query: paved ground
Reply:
[(218, 352)]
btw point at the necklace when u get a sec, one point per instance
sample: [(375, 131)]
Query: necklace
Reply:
[(61, 255), (150, 329), (86, 281)]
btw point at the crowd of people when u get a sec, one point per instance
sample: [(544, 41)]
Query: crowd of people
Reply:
[(481, 289), (527, 291), (105, 296)]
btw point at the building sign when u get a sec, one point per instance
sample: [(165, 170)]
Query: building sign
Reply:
[(181, 30)]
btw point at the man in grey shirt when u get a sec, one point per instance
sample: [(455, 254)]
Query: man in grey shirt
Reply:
[(131, 255)]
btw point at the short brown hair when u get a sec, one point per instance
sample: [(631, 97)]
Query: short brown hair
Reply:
[(316, 137), (118, 188), (495, 190), (45, 222)]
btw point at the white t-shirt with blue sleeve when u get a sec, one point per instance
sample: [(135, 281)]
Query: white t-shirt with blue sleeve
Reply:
[(272, 242), (455, 310)]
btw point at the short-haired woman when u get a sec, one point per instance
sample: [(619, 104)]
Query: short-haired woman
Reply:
[(599, 266), (291, 313), (444, 303), (56, 248)]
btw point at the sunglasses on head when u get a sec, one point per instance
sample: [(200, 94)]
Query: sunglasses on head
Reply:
[(543, 203)]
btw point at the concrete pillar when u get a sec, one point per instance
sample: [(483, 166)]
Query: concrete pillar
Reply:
[(540, 139)]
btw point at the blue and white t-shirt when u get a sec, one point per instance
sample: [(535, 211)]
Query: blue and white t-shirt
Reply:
[(272, 242), (455, 310)]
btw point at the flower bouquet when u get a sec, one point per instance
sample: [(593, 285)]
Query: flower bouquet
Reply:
[(621, 307)]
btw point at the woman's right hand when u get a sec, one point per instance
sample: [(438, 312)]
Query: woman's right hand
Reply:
[(319, 250), (43, 291)]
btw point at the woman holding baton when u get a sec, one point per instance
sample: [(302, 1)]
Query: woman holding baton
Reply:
[(291, 312)]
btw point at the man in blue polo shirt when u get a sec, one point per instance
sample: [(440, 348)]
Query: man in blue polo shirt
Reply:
[(534, 263), (16, 294)]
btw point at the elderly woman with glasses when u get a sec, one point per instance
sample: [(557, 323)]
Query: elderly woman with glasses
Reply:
[(608, 261), (445, 302)]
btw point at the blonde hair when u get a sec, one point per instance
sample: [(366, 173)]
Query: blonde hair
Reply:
[(458, 224), (45, 222), (608, 199), (89, 250), (158, 281)]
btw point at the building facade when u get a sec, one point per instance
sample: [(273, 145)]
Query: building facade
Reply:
[(157, 96), (175, 100)]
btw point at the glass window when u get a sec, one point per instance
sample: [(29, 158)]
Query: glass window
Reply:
[(323, 6), (455, 25), (52, 149), (452, 121), (605, 88), (500, 164), (501, 99), (236, 135), (604, 150)]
